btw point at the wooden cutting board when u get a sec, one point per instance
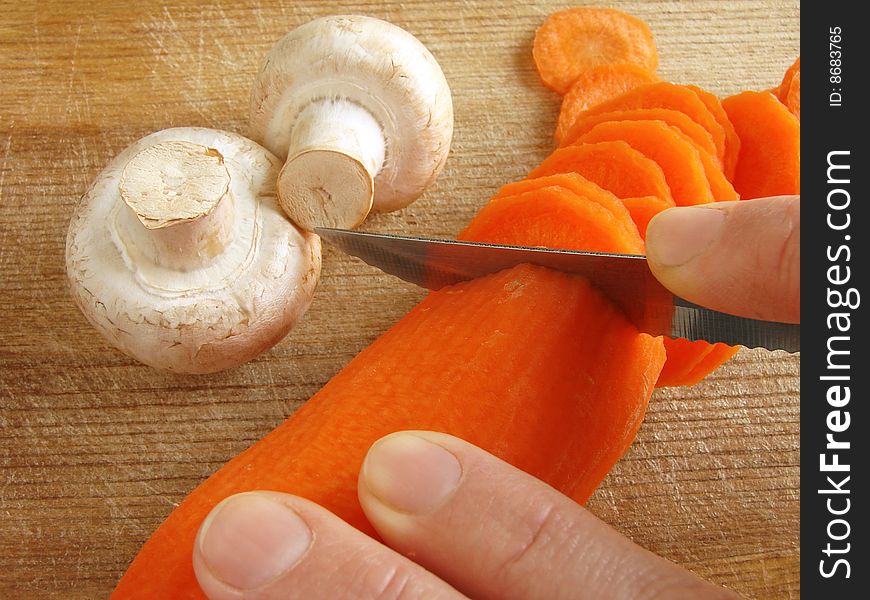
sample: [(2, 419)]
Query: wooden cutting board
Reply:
[(96, 450)]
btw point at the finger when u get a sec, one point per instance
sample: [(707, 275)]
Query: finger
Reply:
[(267, 545), (493, 531), (740, 257)]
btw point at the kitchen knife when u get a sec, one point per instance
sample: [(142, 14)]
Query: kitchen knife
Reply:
[(625, 279)]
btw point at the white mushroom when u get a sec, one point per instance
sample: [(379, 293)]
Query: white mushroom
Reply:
[(180, 256), (362, 113)]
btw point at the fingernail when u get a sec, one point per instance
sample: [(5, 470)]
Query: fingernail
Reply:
[(677, 235), (411, 474), (250, 539)]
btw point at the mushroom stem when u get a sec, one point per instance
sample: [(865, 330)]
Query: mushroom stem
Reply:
[(336, 149), (181, 206)]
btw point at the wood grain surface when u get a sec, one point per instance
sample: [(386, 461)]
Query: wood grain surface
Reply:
[(96, 449)]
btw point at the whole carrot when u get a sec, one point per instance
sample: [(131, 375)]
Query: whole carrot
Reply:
[(533, 365)]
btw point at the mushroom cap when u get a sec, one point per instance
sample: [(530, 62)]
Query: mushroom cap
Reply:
[(376, 64), (205, 319)]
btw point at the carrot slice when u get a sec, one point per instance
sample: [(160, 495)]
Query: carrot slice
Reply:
[(783, 89), (690, 362), (769, 162), (719, 354), (644, 193), (614, 166), (793, 99), (573, 182), (683, 357), (671, 96), (720, 187), (596, 85), (590, 220), (495, 361), (576, 39), (676, 119), (680, 161), (644, 208), (732, 143)]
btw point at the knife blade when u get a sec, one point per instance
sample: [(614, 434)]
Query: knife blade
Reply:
[(626, 279)]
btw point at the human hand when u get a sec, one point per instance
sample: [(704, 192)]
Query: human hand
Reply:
[(457, 522), (739, 257)]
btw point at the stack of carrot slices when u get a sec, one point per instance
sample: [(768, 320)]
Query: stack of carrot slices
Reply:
[(654, 144)]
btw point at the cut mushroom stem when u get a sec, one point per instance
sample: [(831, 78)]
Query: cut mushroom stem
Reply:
[(362, 113), (336, 150), (181, 207)]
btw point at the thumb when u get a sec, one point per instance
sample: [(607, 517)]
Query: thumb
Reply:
[(739, 257)]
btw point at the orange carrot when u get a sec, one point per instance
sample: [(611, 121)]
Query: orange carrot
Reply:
[(618, 168), (670, 96), (793, 99), (683, 357), (711, 361), (642, 209), (572, 182), (614, 166), (783, 90), (690, 362), (601, 220), (576, 39), (789, 91), (596, 85), (574, 222), (495, 361), (732, 143), (722, 189), (769, 162), (676, 119), (679, 159)]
